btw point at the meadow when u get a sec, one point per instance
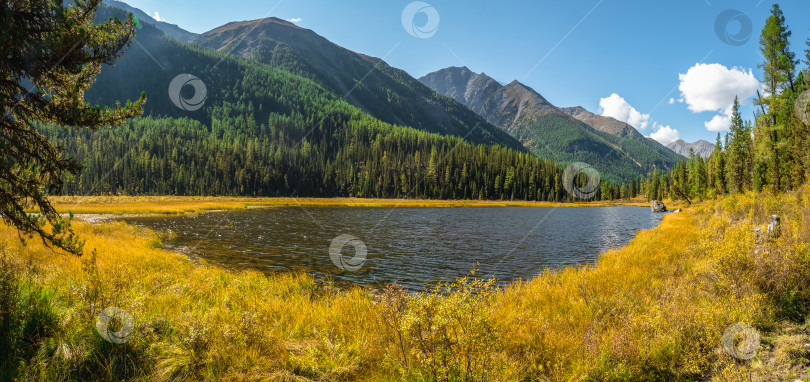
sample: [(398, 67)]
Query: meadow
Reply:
[(655, 309), (122, 205)]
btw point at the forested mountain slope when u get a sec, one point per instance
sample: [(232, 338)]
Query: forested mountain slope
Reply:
[(550, 132), (387, 93), (265, 131)]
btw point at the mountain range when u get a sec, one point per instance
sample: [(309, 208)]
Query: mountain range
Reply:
[(602, 123), (369, 83), (701, 148), (288, 112), (171, 30), (614, 148), (221, 124)]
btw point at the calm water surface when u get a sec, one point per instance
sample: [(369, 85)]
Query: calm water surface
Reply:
[(415, 247)]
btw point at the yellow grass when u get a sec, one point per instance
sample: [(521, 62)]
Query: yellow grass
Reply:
[(653, 310), (188, 204)]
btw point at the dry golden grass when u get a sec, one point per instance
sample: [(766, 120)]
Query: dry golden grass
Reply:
[(187, 204), (198, 321), (653, 310)]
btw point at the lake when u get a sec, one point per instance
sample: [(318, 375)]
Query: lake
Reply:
[(415, 247)]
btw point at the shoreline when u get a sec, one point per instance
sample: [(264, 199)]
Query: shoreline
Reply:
[(169, 205), (101, 219)]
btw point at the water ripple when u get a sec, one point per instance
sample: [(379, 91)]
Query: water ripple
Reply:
[(415, 247)]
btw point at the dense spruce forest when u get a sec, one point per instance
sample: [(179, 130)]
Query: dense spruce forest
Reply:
[(264, 131), (348, 154), (770, 153)]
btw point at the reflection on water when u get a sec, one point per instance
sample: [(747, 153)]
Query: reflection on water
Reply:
[(415, 247)]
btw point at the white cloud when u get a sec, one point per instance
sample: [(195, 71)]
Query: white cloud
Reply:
[(157, 17), (294, 19), (672, 101), (618, 108), (720, 122), (665, 135), (712, 87), (615, 106)]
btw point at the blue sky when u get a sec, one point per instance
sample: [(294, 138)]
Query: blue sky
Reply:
[(630, 59)]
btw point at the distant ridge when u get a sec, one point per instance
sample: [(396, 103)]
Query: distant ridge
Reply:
[(602, 123), (702, 148), (572, 134), (171, 30), (369, 83)]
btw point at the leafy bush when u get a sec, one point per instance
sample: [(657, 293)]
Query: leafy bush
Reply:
[(446, 334)]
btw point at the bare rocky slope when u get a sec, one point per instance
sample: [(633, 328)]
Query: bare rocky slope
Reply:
[(701, 148)]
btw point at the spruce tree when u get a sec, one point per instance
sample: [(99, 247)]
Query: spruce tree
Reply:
[(735, 162), (779, 70), (748, 155), (799, 130), (700, 181), (719, 159)]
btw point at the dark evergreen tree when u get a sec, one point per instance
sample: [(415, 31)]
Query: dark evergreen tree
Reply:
[(779, 70), (736, 161), (719, 161), (50, 54)]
